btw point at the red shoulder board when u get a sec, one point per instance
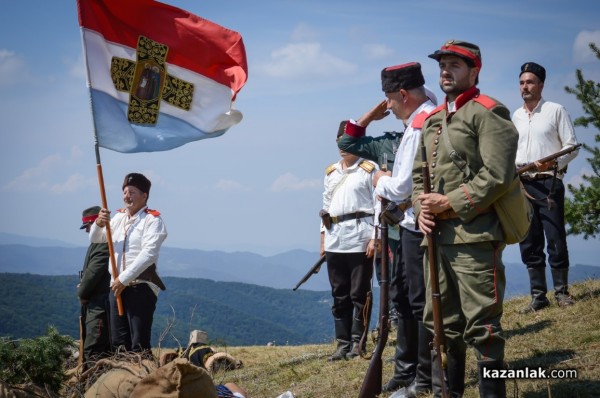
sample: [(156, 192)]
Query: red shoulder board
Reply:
[(436, 110), (486, 101), (155, 213), (122, 210), (419, 120)]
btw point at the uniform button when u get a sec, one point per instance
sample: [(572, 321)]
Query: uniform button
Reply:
[(439, 132), (431, 176), (434, 153), (431, 187), (433, 164), (436, 141)]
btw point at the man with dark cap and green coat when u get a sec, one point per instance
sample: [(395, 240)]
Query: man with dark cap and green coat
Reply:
[(137, 233), (92, 291), (476, 132)]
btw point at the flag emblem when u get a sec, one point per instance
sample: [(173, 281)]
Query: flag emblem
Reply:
[(148, 83)]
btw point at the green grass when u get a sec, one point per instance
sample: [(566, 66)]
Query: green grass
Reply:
[(554, 338)]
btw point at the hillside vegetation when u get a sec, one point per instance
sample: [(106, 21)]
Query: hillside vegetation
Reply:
[(555, 338)]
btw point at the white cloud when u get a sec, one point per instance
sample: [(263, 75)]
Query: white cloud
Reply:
[(289, 182), (377, 51), (577, 179), (231, 186), (300, 60), (73, 183), (11, 68), (304, 32), (581, 49), (43, 177)]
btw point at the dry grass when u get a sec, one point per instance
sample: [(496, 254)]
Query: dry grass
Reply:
[(555, 338)]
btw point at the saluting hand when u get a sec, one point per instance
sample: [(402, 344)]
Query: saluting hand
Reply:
[(377, 113)]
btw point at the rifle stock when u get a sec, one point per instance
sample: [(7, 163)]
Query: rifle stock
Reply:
[(371, 386), (439, 338), (530, 166), (313, 270)]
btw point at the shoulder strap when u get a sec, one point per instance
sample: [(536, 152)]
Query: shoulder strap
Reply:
[(486, 101), (330, 169), (456, 158), (366, 166), (419, 120)]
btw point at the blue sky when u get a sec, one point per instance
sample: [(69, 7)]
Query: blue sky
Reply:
[(311, 64)]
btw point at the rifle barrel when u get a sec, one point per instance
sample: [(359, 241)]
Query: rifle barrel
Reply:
[(313, 270), (439, 337), (558, 154)]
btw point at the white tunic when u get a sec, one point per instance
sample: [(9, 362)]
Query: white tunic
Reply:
[(547, 130), (137, 239), (398, 187), (354, 194)]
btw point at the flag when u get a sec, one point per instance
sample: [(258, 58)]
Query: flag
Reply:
[(159, 76)]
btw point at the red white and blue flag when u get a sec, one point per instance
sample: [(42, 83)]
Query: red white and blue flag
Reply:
[(159, 76)]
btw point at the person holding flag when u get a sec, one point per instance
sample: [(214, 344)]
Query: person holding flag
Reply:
[(137, 235)]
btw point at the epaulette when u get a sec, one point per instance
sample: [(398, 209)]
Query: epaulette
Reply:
[(155, 213), (330, 169), (367, 166), (486, 101), (419, 120), (436, 110)]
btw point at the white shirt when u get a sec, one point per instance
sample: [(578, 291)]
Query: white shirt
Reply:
[(543, 132), (354, 194), (398, 187), (138, 239)]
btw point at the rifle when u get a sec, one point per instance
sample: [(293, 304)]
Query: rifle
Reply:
[(530, 166), (82, 333), (371, 386), (313, 270), (439, 338)]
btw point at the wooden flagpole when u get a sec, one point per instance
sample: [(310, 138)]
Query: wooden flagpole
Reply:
[(111, 249)]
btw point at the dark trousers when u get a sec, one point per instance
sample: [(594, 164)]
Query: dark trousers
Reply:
[(407, 291), (350, 278), (546, 221), (97, 336), (133, 330)]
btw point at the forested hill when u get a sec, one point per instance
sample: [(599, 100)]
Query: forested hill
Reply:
[(232, 313)]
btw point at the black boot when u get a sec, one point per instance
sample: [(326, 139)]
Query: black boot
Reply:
[(537, 281), (560, 277), (488, 387), (422, 382), (455, 373), (342, 335), (406, 356), (358, 328)]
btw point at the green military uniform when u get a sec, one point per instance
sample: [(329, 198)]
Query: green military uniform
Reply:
[(94, 288), (373, 148), (469, 257)]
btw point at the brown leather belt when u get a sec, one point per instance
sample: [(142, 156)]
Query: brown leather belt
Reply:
[(350, 216), (405, 206), (451, 214)]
